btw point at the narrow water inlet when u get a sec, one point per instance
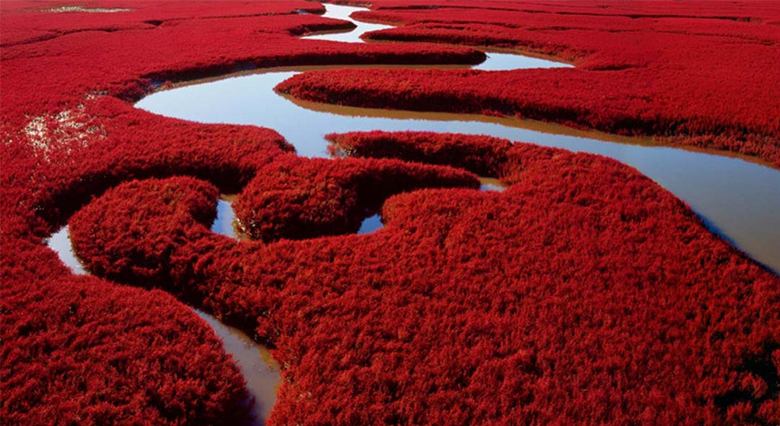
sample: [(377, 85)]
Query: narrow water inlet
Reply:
[(343, 13), (258, 368), (496, 61)]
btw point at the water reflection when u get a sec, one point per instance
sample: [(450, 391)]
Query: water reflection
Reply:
[(496, 61), (511, 61), (371, 224), (491, 184), (60, 243), (343, 12), (226, 223)]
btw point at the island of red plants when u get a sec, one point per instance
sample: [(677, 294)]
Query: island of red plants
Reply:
[(468, 307), (584, 293)]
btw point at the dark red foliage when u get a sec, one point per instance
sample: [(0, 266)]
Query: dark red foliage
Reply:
[(693, 73), (298, 198), (482, 155), (86, 351), (552, 301), (582, 294)]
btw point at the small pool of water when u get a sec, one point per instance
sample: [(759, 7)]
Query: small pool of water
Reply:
[(491, 184), (226, 223), (60, 243), (371, 224)]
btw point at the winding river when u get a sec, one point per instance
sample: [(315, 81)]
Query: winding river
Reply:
[(737, 198)]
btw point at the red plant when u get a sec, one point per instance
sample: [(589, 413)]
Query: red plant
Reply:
[(302, 198), (472, 306), (87, 351)]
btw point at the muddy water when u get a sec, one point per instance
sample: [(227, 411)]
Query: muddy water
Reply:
[(260, 371)]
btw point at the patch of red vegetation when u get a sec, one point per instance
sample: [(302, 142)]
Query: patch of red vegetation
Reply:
[(86, 351), (483, 155), (297, 198), (701, 74), (552, 301), (126, 354)]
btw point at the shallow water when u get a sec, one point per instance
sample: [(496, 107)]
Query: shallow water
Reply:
[(257, 366), (60, 243), (226, 223), (343, 12), (491, 184)]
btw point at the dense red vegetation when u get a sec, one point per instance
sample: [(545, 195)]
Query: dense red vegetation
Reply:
[(86, 351), (701, 73), (554, 301), (298, 198), (472, 306), (483, 155)]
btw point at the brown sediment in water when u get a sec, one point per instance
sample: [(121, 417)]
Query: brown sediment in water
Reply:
[(491, 184), (258, 367)]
